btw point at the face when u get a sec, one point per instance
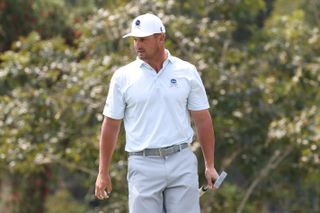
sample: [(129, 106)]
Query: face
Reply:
[(148, 48)]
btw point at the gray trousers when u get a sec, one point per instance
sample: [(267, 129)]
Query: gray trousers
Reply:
[(164, 184)]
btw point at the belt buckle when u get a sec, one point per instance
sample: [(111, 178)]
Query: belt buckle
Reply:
[(161, 153)]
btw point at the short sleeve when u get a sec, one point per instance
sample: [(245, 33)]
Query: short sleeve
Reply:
[(115, 104), (197, 99)]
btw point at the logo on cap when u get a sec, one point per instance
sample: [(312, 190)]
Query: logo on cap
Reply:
[(137, 22)]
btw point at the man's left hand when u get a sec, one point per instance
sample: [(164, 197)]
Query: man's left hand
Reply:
[(211, 176)]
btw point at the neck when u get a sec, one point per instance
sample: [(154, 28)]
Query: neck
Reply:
[(157, 62)]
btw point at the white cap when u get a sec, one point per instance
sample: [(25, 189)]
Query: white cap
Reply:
[(146, 25)]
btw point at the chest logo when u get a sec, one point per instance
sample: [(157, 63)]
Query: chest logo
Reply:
[(173, 83)]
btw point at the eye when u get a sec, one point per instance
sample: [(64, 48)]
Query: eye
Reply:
[(139, 39)]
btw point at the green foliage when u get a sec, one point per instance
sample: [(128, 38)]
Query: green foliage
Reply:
[(225, 201), (62, 201), (20, 17), (262, 82)]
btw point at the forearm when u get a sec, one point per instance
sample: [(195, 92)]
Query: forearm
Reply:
[(206, 138), (108, 139), (205, 133)]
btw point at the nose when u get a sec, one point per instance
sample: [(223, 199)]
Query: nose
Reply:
[(137, 43)]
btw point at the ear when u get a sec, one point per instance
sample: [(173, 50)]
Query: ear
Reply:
[(162, 37)]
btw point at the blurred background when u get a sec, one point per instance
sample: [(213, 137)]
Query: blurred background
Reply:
[(259, 61)]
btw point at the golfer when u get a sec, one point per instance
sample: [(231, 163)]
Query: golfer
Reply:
[(156, 96)]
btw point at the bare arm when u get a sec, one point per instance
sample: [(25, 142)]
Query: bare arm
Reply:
[(204, 127), (108, 140)]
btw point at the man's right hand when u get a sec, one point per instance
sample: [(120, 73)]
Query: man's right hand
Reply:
[(103, 186)]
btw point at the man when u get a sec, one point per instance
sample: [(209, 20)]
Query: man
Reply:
[(155, 96)]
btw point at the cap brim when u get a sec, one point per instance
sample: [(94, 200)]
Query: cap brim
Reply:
[(127, 35), (137, 34)]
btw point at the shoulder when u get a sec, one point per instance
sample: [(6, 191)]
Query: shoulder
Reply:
[(132, 65), (126, 70), (182, 65)]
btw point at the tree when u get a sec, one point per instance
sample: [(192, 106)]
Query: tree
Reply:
[(260, 72)]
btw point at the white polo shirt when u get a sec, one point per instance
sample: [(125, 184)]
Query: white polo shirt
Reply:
[(155, 106)]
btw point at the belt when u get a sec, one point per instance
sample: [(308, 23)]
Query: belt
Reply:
[(162, 152)]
